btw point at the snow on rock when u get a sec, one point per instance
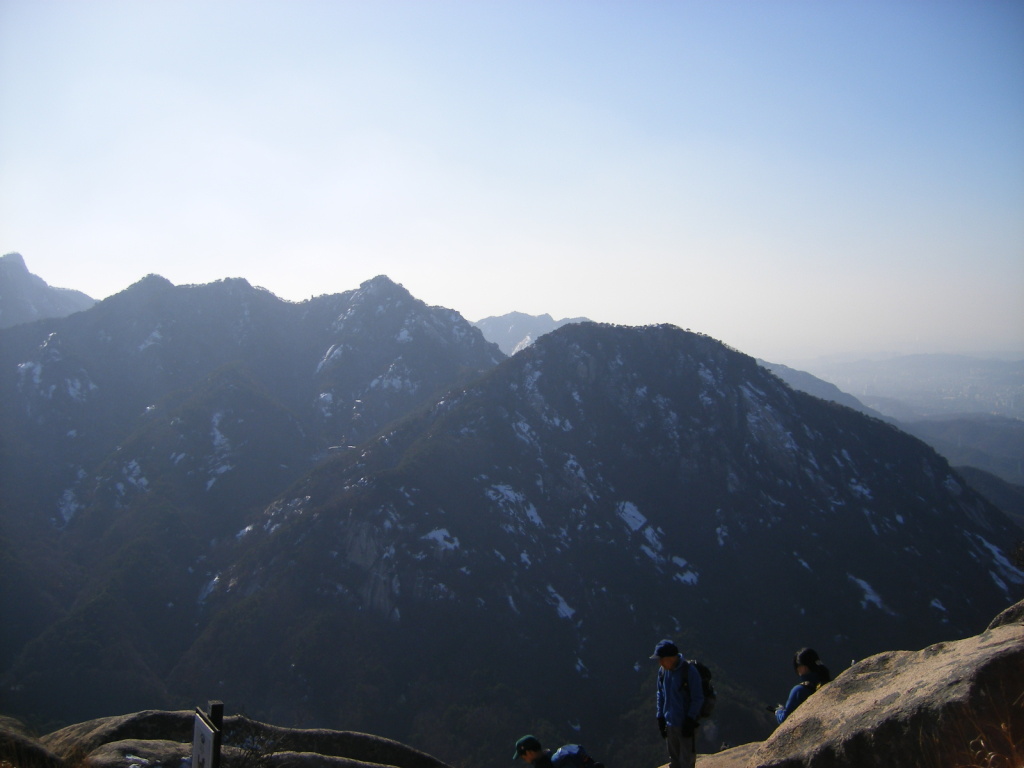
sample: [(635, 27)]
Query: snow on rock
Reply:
[(335, 351), (31, 370), (207, 590), (154, 338), (951, 485), (78, 389), (220, 441), (442, 538), (860, 489), (514, 504), (653, 536), (325, 401), (564, 611), (525, 432), (685, 575), (1004, 569), (870, 596), (631, 515), (68, 505), (133, 473)]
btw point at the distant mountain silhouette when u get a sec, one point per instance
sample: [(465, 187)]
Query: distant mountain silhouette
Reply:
[(516, 331), (812, 385), (355, 512), (24, 297), (991, 443), (1006, 496)]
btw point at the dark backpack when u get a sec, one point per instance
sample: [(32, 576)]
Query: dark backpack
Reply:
[(710, 697), (573, 756)]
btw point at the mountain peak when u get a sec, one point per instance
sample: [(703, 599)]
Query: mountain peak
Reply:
[(25, 297), (151, 281), (13, 263), (516, 331), (382, 284)]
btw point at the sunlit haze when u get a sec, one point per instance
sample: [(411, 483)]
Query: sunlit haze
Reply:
[(797, 179)]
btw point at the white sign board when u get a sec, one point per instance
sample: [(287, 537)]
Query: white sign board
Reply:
[(203, 742)]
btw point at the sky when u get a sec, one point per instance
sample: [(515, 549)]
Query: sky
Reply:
[(822, 178)]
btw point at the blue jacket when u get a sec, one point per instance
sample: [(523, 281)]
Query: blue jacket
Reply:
[(808, 684), (678, 702)]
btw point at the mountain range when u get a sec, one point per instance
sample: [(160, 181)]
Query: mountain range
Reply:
[(356, 512), (967, 408)]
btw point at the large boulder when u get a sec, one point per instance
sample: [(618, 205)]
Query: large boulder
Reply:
[(955, 703), (736, 757)]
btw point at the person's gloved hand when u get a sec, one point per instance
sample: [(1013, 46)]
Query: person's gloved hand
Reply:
[(663, 727), (689, 727)]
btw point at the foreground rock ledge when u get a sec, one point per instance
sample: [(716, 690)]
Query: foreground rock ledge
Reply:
[(156, 738), (952, 704)]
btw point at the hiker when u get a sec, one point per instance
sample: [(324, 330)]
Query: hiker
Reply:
[(568, 756), (529, 749), (680, 697), (813, 675)]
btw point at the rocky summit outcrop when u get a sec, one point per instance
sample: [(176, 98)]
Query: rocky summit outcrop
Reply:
[(952, 704), (157, 739)]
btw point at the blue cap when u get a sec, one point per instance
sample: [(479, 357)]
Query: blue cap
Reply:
[(665, 648)]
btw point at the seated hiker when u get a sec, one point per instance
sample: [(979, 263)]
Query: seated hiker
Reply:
[(813, 675), (568, 756)]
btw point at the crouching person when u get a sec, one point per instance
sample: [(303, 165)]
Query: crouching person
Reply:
[(568, 756)]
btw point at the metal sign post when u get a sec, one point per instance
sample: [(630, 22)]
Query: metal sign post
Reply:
[(206, 736)]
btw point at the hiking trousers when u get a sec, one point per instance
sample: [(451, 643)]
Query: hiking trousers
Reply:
[(682, 750)]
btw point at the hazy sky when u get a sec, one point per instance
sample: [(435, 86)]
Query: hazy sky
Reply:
[(793, 178)]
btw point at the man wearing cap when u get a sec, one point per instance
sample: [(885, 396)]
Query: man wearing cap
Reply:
[(680, 698), (530, 750)]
